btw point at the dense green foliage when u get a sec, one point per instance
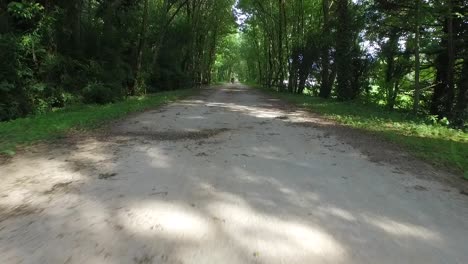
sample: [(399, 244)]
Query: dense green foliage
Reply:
[(53, 124), (426, 138), (409, 55), (58, 53)]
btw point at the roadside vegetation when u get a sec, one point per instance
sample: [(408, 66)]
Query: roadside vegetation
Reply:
[(57, 123)]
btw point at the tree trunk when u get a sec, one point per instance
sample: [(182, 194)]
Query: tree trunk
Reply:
[(270, 68), (76, 28), (461, 108), (451, 63), (343, 51), (444, 89), (417, 59), (325, 87), (141, 44), (280, 73), (302, 80)]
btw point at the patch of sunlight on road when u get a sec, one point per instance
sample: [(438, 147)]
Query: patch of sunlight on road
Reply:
[(167, 219), (42, 174), (289, 193), (274, 237), (266, 150), (194, 117), (157, 156), (251, 111), (337, 212), (304, 117), (247, 177), (190, 103), (401, 229)]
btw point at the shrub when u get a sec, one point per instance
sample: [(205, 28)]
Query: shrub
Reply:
[(14, 77), (98, 93)]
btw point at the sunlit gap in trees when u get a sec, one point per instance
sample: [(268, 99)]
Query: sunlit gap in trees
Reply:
[(240, 15), (230, 64)]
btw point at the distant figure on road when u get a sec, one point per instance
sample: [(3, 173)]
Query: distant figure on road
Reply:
[(233, 80)]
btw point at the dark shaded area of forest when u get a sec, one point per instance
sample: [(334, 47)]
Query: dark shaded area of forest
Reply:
[(57, 53)]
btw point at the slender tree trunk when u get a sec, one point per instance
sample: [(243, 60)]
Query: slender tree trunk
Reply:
[(270, 68), (141, 44), (260, 77), (390, 51), (302, 80), (343, 51), (451, 62), (77, 9), (393, 95), (461, 108), (212, 53), (280, 75), (417, 69), (440, 84), (332, 78), (325, 88), (444, 89)]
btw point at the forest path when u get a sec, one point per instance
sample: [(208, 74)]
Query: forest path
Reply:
[(230, 176)]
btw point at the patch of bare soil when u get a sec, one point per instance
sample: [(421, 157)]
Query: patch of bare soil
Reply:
[(178, 135)]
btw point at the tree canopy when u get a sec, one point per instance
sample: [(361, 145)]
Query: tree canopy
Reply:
[(408, 55), (56, 53)]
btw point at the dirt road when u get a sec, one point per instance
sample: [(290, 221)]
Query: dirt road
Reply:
[(230, 176)]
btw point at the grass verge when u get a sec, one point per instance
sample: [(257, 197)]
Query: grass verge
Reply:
[(28, 130), (440, 145)]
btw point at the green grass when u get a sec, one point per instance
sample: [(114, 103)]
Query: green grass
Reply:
[(52, 125), (440, 145)]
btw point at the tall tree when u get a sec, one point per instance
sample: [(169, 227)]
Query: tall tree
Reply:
[(326, 85), (417, 70), (343, 56)]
